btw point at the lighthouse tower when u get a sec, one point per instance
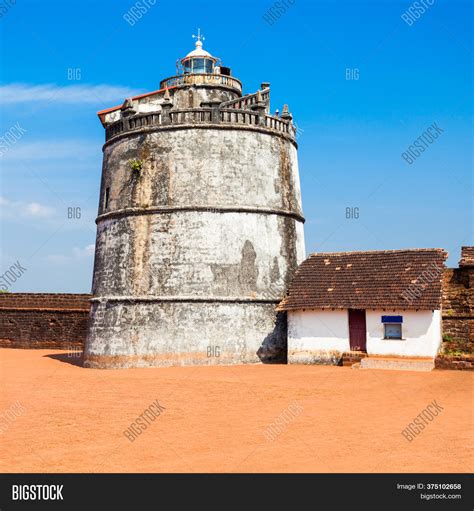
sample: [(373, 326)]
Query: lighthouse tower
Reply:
[(199, 227)]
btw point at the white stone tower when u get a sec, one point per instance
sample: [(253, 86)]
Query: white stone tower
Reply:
[(199, 227)]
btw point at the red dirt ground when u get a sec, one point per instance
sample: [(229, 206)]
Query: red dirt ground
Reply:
[(215, 417)]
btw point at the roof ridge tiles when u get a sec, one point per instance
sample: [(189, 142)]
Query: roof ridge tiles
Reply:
[(400, 250)]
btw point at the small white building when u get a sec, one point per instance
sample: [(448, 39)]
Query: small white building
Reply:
[(379, 303)]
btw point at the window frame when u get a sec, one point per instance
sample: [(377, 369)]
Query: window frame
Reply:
[(392, 338), (199, 65)]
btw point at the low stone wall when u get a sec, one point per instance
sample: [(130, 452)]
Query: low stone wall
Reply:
[(464, 362), (459, 327), (42, 320), (458, 311)]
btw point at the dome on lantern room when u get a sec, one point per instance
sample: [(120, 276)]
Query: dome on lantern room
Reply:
[(198, 60), (198, 51)]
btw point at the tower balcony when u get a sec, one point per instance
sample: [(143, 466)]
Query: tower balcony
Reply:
[(210, 79), (203, 117)]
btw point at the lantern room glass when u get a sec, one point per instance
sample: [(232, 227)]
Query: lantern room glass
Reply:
[(198, 65)]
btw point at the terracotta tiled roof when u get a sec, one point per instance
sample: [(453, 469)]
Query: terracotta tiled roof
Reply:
[(389, 279), (467, 256)]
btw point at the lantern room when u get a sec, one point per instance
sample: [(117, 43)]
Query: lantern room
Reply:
[(199, 60)]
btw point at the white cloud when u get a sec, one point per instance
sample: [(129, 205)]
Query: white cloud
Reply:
[(14, 93), (87, 251), (15, 209), (36, 209), (52, 150), (77, 254)]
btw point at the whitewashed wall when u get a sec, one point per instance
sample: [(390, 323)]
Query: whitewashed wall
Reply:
[(321, 336), (317, 336), (421, 332)]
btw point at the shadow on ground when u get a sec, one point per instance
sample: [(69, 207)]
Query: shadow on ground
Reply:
[(72, 358)]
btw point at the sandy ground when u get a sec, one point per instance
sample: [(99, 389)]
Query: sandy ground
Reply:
[(215, 419)]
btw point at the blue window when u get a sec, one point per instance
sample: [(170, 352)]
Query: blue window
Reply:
[(392, 327), (392, 319)]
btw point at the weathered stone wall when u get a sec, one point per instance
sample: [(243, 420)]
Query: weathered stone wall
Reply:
[(192, 97), (457, 362), (31, 320), (196, 249), (458, 307), (180, 333), (202, 168), (196, 254)]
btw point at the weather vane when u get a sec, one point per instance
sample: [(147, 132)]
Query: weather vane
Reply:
[(199, 37)]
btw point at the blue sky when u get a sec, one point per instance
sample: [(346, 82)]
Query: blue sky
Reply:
[(352, 132)]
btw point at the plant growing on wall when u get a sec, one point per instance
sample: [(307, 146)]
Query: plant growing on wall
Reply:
[(136, 164)]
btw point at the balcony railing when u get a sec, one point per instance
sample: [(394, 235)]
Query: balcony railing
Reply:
[(191, 115), (211, 116), (149, 119), (248, 100), (234, 116), (202, 79)]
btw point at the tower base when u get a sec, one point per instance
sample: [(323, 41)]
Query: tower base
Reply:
[(147, 333)]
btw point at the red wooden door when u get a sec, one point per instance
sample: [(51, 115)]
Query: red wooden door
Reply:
[(357, 330)]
